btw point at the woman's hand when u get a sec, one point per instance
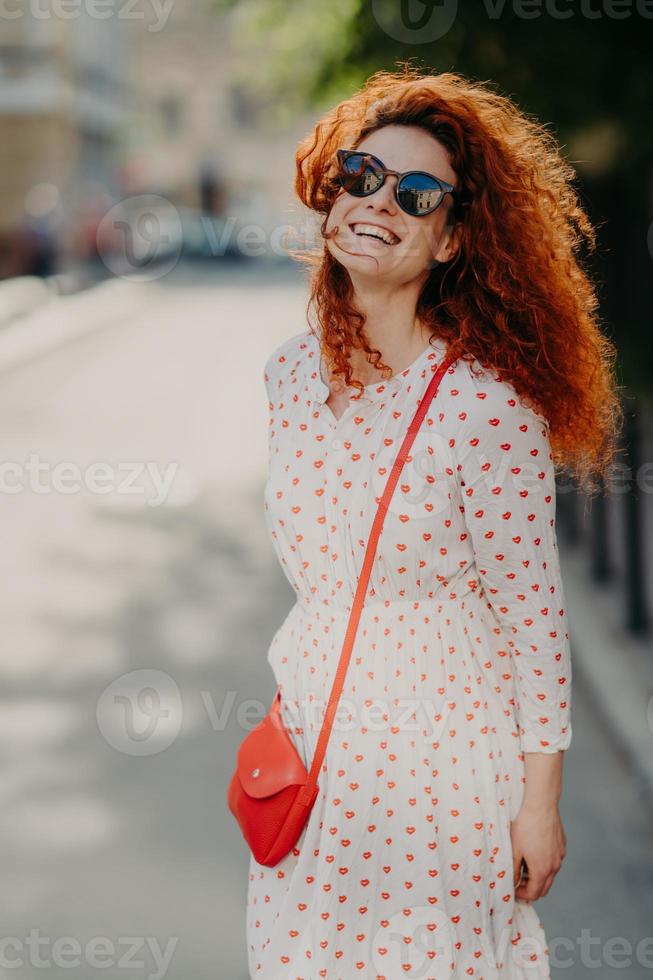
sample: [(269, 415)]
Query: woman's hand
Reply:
[(538, 837)]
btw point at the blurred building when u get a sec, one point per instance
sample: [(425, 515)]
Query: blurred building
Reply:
[(143, 99), (199, 138), (64, 98)]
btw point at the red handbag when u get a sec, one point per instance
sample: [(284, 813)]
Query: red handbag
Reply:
[(271, 793)]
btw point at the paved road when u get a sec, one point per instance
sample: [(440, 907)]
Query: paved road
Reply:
[(107, 830)]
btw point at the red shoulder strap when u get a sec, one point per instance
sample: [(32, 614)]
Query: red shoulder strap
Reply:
[(306, 793)]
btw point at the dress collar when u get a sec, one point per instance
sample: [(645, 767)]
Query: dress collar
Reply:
[(431, 355)]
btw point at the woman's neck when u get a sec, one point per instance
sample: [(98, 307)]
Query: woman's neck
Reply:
[(391, 325), (399, 348)]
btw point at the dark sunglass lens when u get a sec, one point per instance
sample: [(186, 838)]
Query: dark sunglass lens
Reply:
[(358, 175), (419, 193)]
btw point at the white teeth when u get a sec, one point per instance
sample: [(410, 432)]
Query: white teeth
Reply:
[(376, 232)]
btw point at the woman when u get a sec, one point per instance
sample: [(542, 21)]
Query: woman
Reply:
[(437, 822)]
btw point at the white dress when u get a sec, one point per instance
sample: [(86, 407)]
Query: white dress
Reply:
[(461, 663)]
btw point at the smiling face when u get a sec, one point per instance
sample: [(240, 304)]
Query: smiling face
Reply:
[(375, 236)]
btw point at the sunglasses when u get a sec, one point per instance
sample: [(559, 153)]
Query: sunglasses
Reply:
[(417, 192)]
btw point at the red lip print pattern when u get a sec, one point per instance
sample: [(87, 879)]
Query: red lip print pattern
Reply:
[(461, 664)]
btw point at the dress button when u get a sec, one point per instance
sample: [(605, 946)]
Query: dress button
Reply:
[(336, 444)]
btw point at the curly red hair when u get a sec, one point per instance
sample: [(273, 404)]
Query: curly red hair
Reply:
[(515, 296)]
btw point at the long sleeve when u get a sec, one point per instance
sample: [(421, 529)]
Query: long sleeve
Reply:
[(506, 475)]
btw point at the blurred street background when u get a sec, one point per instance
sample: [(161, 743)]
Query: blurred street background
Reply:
[(146, 208)]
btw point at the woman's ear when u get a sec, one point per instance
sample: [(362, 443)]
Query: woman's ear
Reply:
[(450, 243)]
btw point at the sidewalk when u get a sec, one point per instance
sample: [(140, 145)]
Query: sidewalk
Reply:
[(614, 667), (60, 319)]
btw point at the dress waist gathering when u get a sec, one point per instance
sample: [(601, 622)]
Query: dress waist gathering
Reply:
[(319, 608)]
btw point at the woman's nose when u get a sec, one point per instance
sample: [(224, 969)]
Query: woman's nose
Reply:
[(385, 195)]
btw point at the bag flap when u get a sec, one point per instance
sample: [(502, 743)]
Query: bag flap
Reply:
[(267, 758)]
